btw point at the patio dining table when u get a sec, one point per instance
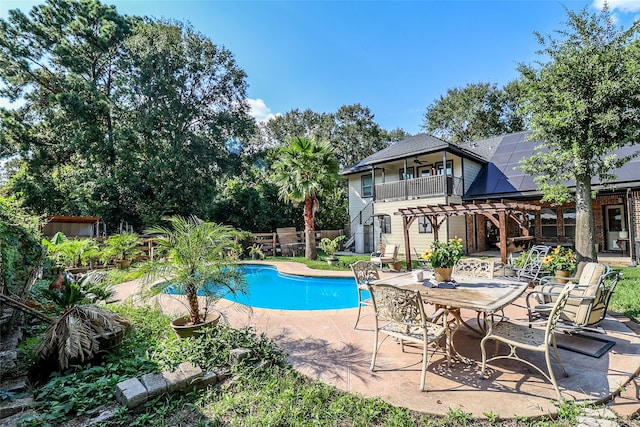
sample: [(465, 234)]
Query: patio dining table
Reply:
[(485, 296)]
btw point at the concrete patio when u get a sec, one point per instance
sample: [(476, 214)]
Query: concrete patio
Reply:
[(324, 346)]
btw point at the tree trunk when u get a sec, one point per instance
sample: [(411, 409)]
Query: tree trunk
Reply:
[(194, 307), (584, 239), (309, 230)]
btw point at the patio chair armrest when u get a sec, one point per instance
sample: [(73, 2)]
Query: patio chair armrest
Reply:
[(546, 280), (539, 297)]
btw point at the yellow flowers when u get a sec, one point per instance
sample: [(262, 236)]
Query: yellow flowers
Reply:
[(560, 258), (444, 254)]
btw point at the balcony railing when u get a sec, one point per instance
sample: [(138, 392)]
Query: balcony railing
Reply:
[(426, 186)]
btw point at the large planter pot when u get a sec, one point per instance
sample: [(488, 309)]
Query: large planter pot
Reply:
[(123, 263), (332, 260), (562, 273), (184, 328), (442, 274)]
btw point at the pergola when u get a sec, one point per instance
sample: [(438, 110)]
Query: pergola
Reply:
[(497, 213)]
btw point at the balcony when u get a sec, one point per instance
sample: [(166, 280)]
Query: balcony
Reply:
[(426, 186)]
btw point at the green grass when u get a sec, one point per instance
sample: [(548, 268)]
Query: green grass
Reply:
[(344, 261), (626, 298)]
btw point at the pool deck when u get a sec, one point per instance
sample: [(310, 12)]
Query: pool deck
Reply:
[(325, 346)]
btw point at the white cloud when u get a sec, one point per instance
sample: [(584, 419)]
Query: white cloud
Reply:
[(259, 110), (621, 5)]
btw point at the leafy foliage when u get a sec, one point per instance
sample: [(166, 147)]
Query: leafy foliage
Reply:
[(560, 258), (123, 118), (444, 254), (476, 111), (20, 249), (583, 104)]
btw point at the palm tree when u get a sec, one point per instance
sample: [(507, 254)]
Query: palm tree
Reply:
[(194, 261), (306, 169)]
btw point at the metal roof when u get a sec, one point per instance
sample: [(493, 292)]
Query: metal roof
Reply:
[(502, 177)]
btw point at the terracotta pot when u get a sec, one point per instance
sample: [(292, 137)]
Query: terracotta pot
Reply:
[(562, 273), (442, 274), (123, 263), (184, 328)]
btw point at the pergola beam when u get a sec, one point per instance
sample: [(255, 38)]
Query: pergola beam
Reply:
[(437, 214)]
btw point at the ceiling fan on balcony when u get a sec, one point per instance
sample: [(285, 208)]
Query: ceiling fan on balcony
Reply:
[(417, 161)]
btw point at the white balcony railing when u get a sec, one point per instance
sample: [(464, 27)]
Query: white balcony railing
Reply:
[(426, 186)]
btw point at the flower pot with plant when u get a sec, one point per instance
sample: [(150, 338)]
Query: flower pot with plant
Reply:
[(255, 251), (193, 262), (330, 247), (121, 249), (443, 256), (561, 261)]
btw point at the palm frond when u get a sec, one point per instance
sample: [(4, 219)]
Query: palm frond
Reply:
[(73, 337)]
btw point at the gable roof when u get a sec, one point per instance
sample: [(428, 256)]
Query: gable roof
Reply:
[(502, 177), (413, 146)]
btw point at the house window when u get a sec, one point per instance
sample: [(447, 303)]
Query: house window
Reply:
[(549, 219), (367, 186), (426, 170), (408, 175), (569, 219), (385, 224), (440, 170), (424, 225)]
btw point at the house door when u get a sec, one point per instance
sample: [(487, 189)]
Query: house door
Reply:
[(614, 224)]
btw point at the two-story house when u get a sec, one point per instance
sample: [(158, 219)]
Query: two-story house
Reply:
[(418, 177)]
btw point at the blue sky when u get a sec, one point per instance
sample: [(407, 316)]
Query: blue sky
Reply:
[(396, 57)]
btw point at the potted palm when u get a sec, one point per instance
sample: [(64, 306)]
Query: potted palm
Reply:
[(122, 249), (330, 247), (193, 262)]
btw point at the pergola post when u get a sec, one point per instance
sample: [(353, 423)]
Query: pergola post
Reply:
[(502, 215), (406, 223)]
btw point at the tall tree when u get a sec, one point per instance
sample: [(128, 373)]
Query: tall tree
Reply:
[(584, 103), (123, 118), (477, 111), (304, 171), (60, 61), (184, 98), (355, 135)]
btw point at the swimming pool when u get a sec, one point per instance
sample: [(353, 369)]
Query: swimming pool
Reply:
[(268, 288)]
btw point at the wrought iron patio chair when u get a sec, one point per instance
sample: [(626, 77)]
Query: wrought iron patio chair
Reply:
[(388, 256), (531, 271), (364, 272), (402, 315), (474, 267), (524, 336), (588, 301)]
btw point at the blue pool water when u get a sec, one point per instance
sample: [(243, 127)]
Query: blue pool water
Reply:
[(269, 288)]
